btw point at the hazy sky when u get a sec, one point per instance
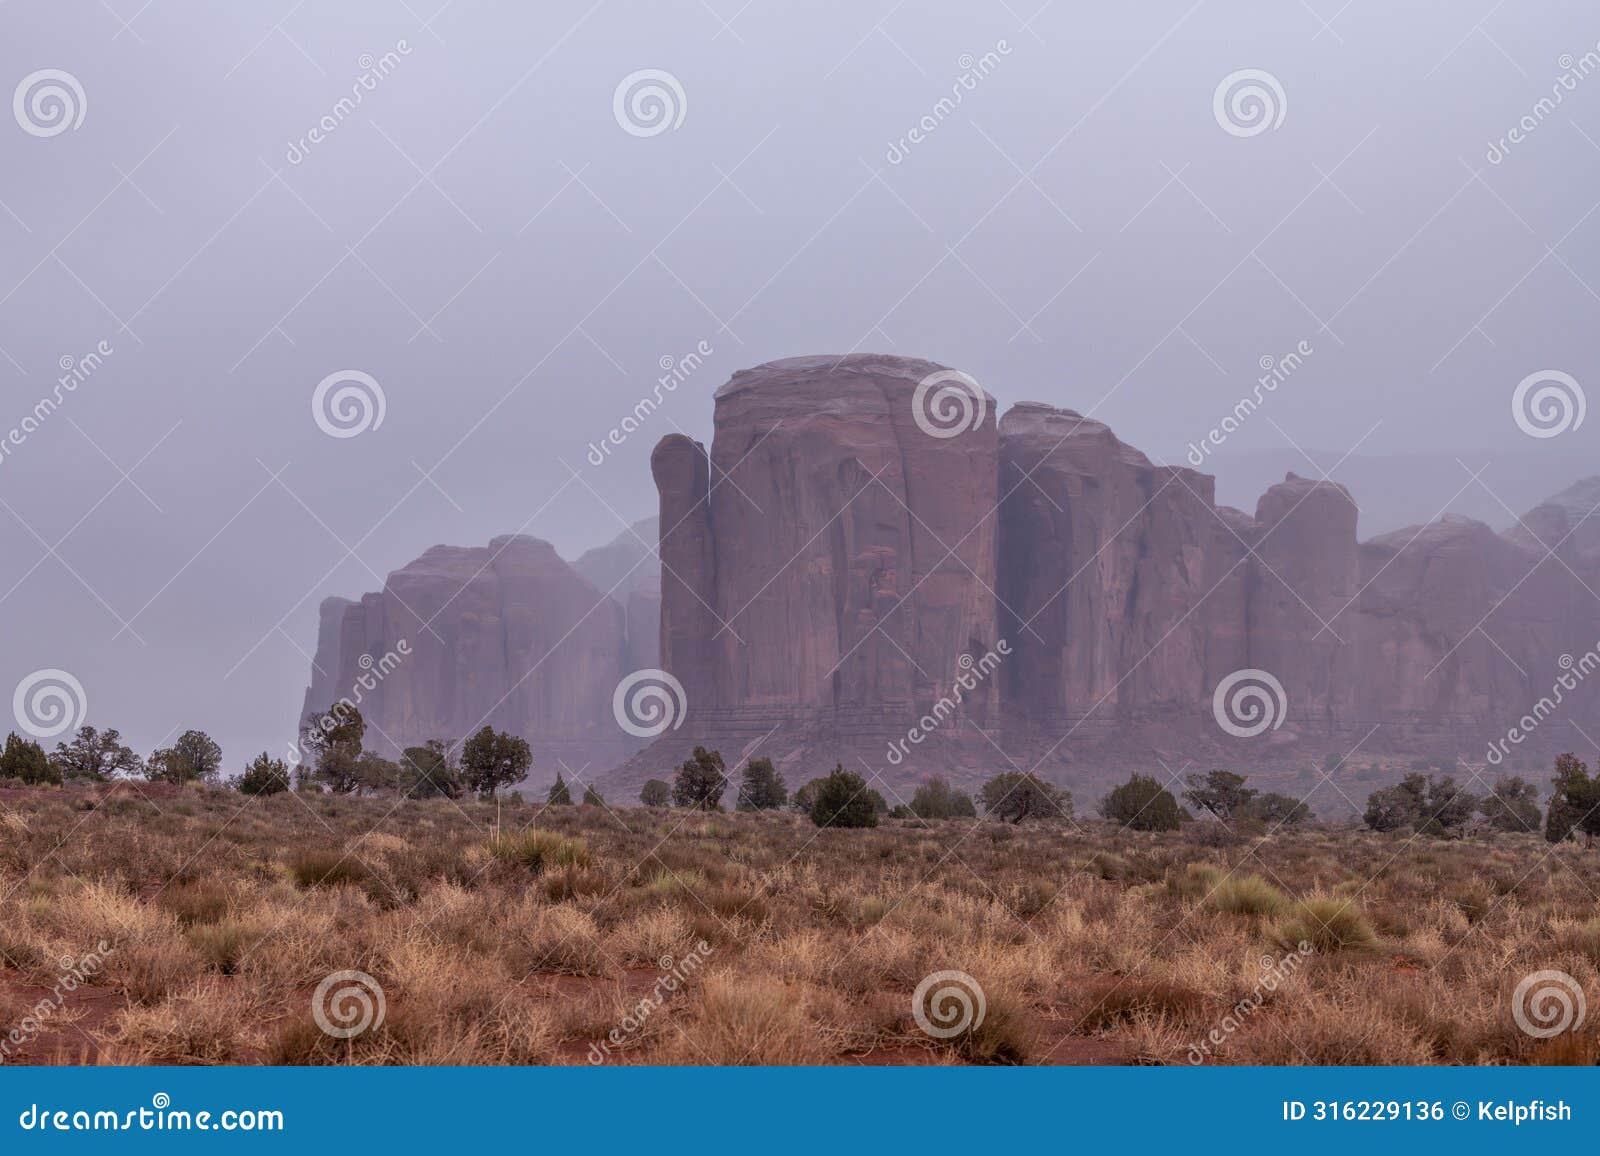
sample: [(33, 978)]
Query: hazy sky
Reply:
[(482, 235)]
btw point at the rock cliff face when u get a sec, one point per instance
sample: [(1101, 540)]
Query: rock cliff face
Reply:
[(1103, 566), (829, 568), (508, 635)]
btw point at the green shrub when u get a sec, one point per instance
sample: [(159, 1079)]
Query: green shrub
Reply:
[(1142, 804), (1016, 795), (843, 800), (700, 781), (264, 776), (27, 761), (936, 799)]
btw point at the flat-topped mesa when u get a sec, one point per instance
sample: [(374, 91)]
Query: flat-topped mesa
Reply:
[(507, 635), (1103, 562), (835, 553)]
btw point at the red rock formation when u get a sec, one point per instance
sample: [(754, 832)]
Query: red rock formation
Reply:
[(829, 569), (507, 635), (837, 576)]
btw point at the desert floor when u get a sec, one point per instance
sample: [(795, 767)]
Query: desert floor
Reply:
[(151, 924)]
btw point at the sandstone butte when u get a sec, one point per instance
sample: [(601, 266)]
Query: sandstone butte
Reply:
[(1028, 593)]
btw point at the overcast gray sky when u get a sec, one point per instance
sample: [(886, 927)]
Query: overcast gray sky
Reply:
[(483, 235)]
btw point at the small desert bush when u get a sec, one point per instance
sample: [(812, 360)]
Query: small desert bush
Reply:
[(1328, 924), (1247, 895), (540, 850), (195, 900), (318, 867), (224, 943), (1130, 1000), (747, 1021), (202, 1025)]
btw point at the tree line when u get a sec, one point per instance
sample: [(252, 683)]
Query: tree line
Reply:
[(333, 759), (1438, 805)]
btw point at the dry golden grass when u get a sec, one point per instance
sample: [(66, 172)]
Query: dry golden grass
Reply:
[(782, 944)]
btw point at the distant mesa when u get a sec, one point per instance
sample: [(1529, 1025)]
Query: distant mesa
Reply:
[(508, 635)]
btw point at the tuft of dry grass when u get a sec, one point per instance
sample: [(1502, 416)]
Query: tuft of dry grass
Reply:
[(539, 850), (320, 867), (1328, 924), (748, 1022), (1248, 895)]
